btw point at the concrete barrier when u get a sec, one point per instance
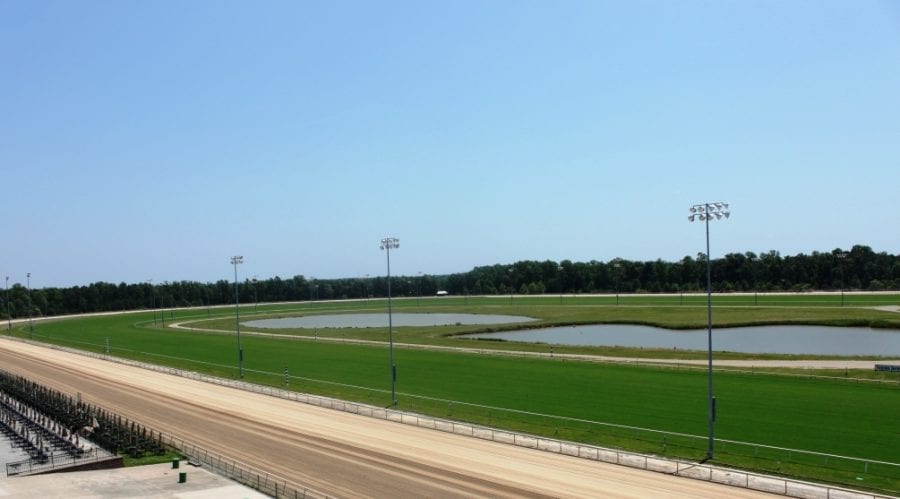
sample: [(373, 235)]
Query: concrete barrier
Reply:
[(504, 437), (568, 449), (695, 471), (549, 446), (847, 494), (483, 433), (443, 426), (461, 429), (608, 456), (633, 461), (662, 465), (806, 491), (526, 441), (588, 453), (767, 484), (728, 477)]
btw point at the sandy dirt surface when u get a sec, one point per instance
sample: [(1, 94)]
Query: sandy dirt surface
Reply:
[(341, 454)]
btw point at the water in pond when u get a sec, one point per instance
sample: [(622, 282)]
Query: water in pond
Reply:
[(799, 340), (381, 320)]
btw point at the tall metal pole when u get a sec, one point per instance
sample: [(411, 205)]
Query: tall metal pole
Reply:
[(559, 279), (30, 325), (705, 212), (387, 244), (512, 287), (8, 317), (712, 396), (754, 264), (235, 260), (618, 267), (841, 257), (255, 294), (152, 299)]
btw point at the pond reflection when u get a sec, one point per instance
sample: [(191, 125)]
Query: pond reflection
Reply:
[(798, 340)]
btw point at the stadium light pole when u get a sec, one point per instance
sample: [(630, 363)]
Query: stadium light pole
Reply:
[(255, 293), (152, 299), (162, 305), (755, 261), (30, 325), (705, 212), (841, 256), (419, 290), (235, 261), (8, 317), (388, 244), (618, 267), (559, 270)]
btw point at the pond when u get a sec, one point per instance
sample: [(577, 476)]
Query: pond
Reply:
[(381, 320), (798, 340)]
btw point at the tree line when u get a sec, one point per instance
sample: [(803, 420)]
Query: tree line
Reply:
[(860, 268)]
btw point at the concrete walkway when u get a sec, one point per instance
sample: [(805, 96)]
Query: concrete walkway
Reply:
[(157, 480)]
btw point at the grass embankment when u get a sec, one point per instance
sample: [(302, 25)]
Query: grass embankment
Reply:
[(553, 398)]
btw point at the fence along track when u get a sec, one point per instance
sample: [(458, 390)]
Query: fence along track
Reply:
[(242, 473)]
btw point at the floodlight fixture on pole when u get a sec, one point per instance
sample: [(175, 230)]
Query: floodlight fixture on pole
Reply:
[(235, 261), (8, 317), (30, 305), (387, 244), (704, 213)]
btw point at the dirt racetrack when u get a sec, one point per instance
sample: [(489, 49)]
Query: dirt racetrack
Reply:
[(337, 453)]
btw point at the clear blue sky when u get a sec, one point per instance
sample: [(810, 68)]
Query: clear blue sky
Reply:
[(156, 139)]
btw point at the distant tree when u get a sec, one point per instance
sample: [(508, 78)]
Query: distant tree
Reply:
[(859, 268)]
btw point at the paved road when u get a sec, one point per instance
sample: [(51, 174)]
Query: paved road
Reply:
[(341, 454)]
